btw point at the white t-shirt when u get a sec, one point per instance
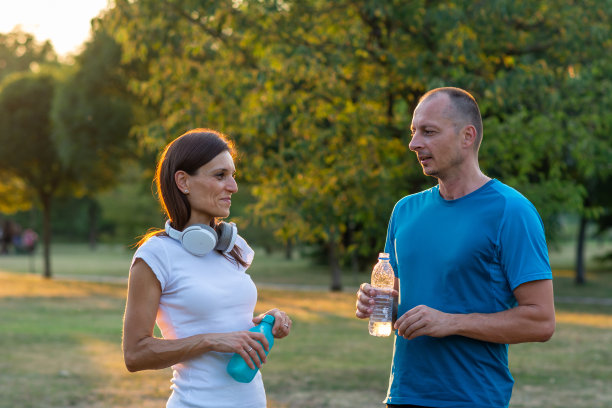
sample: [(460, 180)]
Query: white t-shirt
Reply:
[(203, 294)]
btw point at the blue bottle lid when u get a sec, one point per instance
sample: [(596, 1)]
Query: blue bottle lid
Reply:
[(268, 319)]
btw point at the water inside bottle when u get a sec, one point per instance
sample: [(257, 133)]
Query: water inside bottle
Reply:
[(380, 320), (380, 329)]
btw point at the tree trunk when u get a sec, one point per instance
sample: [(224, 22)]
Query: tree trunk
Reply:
[(46, 204), (580, 272), (93, 211), (334, 264), (289, 249)]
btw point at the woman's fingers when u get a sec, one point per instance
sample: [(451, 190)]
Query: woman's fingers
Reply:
[(257, 348), (282, 325), (282, 322)]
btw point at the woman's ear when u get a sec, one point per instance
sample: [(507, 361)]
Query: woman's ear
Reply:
[(182, 181)]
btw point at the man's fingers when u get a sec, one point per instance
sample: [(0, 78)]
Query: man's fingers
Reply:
[(364, 302)]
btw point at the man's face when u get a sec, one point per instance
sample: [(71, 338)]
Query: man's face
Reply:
[(435, 138)]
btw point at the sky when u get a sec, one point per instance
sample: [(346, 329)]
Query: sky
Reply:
[(66, 23)]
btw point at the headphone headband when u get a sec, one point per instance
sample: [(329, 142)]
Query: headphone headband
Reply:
[(200, 239)]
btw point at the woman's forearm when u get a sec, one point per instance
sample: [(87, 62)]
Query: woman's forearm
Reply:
[(151, 353)]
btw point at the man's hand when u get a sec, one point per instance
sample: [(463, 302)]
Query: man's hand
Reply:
[(365, 300), (424, 321)]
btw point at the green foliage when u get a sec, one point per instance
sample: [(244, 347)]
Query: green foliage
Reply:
[(14, 195), (20, 52), (25, 132), (92, 117), (129, 207), (319, 95)]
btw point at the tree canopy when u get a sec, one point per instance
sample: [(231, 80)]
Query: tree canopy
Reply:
[(319, 97)]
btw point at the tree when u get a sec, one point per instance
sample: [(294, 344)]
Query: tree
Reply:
[(564, 115), (299, 120), (65, 132), (319, 96), (28, 151), (19, 52), (92, 117)]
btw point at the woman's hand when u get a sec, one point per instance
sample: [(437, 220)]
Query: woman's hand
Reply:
[(282, 322), (245, 343)]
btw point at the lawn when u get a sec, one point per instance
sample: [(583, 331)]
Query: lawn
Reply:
[(60, 343)]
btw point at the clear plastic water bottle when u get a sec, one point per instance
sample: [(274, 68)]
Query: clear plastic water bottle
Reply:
[(237, 367), (383, 280)]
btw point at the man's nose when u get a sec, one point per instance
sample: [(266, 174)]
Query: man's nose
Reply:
[(416, 142)]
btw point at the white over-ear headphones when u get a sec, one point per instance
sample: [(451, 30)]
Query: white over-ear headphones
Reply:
[(200, 239)]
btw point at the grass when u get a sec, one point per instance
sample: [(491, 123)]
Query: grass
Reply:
[(113, 261), (60, 343), (61, 347)]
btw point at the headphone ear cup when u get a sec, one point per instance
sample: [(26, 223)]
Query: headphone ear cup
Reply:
[(227, 236), (199, 239)]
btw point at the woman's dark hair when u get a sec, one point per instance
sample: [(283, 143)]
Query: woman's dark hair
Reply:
[(188, 153)]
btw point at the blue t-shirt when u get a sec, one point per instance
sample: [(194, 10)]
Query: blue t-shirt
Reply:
[(460, 256)]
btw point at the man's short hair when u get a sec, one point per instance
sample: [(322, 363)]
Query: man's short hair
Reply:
[(465, 105)]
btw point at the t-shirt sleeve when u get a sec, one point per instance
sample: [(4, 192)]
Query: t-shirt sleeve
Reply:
[(390, 243), (524, 254), (154, 254)]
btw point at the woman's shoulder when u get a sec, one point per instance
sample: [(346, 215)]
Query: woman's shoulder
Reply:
[(154, 244)]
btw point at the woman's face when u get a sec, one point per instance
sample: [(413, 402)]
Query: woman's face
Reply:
[(210, 189)]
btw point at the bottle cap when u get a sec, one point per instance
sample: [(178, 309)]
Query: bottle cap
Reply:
[(383, 255), (268, 319)]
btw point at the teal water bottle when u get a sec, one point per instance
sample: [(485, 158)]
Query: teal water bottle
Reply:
[(237, 367)]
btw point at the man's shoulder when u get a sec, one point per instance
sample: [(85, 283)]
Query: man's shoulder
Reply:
[(512, 197), (416, 199), (513, 203), (421, 195)]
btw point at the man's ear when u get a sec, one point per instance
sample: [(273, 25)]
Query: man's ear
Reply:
[(468, 136), (182, 181)]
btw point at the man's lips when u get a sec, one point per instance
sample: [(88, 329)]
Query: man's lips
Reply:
[(424, 158)]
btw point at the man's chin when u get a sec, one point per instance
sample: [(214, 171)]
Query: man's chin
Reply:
[(430, 172)]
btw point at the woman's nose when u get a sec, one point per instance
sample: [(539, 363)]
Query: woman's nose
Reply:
[(232, 186)]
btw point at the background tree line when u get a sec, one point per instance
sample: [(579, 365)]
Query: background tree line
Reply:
[(319, 95)]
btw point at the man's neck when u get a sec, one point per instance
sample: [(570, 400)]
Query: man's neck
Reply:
[(452, 188)]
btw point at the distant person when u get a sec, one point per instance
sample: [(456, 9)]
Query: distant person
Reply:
[(29, 238), (201, 298), (471, 266)]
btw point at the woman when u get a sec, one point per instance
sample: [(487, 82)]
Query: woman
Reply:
[(201, 298)]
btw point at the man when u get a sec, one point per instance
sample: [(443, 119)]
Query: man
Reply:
[(471, 266)]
